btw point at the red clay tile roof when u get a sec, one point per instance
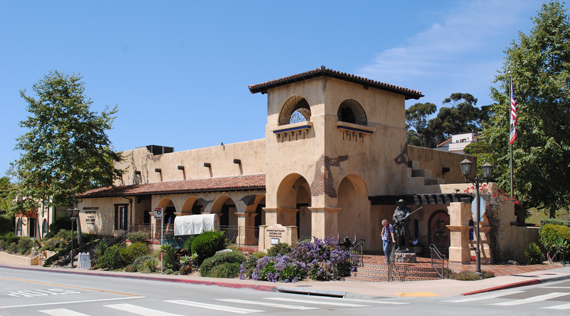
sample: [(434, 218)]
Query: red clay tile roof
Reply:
[(444, 142), (323, 71), (253, 182)]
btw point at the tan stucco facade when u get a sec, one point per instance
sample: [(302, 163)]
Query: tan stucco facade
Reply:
[(331, 172)]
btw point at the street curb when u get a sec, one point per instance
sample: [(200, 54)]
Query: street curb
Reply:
[(519, 284), (314, 292), (264, 288)]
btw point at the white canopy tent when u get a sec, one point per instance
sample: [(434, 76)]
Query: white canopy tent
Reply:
[(195, 224)]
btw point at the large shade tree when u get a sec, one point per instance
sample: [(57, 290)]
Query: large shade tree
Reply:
[(65, 150), (539, 64)]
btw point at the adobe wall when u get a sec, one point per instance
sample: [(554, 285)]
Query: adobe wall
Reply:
[(436, 160), (251, 154)]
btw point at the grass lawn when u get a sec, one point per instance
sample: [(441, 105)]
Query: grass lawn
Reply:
[(535, 215)]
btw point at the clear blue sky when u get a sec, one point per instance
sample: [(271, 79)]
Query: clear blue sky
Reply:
[(179, 70)]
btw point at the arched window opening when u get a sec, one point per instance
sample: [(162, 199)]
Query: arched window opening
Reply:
[(295, 110), (351, 111)]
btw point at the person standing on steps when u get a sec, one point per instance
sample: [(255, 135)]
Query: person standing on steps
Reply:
[(387, 238)]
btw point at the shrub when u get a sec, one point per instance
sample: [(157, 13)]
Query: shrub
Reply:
[(211, 266), (555, 221), (555, 239), (279, 268), (62, 222), (111, 259), (186, 265), (10, 238), (279, 249), (25, 246), (144, 264), (12, 247), (207, 243), (325, 259), (533, 254), (2, 245), (136, 237), (226, 270), (101, 247), (130, 253), (470, 276), (187, 247), (169, 257)]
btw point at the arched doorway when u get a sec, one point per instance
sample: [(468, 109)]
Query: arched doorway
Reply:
[(168, 215), (32, 227), (193, 205), (226, 209), (354, 216), (438, 233), (295, 193)]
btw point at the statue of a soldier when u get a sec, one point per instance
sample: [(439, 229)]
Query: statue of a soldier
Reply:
[(401, 218)]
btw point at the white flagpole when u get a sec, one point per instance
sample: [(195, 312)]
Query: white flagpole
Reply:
[(511, 128)]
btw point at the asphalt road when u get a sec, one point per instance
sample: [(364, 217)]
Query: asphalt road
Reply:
[(24, 292)]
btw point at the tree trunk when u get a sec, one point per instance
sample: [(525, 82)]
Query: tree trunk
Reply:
[(553, 212)]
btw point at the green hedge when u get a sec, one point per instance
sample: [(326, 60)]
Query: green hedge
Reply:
[(6, 224), (222, 265), (207, 243), (549, 233), (554, 221), (130, 253)]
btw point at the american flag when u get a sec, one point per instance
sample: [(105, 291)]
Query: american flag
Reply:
[(514, 108)]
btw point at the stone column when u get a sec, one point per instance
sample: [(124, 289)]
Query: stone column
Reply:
[(459, 216), (279, 215), (324, 221), (246, 228)]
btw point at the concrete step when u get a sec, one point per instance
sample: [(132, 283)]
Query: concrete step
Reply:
[(421, 173), (415, 165)]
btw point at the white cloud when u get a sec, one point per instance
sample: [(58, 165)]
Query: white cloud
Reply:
[(461, 51)]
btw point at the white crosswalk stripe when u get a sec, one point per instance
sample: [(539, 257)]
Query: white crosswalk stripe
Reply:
[(138, 310), (298, 307), (483, 296), (284, 299), (560, 307), (215, 307), (61, 312), (532, 299)]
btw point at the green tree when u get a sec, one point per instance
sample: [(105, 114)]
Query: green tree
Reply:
[(65, 151), (540, 67), (417, 117), (5, 194), (460, 114)]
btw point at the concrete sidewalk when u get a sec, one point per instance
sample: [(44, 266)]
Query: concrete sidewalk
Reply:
[(345, 288)]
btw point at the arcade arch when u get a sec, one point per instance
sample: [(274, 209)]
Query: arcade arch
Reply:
[(351, 111), (169, 210), (294, 193), (192, 205), (354, 216), (296, 109)]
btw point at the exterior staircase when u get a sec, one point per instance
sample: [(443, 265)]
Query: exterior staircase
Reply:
[(401, 272), (422, 176)]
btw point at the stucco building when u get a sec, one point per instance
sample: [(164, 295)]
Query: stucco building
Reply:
[(333, 162)]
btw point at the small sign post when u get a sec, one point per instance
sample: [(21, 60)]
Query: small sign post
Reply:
[(158, 215)]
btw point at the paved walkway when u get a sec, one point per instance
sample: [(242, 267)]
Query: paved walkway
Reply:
[(540, 274), (497, 269)]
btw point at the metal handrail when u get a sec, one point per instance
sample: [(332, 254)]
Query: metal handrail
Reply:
[(356, 244), (441, 257)]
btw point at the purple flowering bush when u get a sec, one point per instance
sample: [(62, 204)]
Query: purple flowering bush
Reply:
[(319, 260)]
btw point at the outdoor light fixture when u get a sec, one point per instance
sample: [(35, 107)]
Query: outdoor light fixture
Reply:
[(487, 169), (180, 167), (207, 165), (157, 170), (238, 161), (73, 214)]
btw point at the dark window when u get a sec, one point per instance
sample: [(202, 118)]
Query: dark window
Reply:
[(121, 216)]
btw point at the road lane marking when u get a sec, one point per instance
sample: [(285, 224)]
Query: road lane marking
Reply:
[(216, 307), (73, 302), (61, 312), (484, 296), (563, 306), (313, 302), (532, 299), (70, 286), (238, 301), (35, 293), (143, 311)]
